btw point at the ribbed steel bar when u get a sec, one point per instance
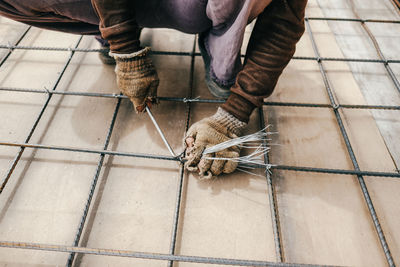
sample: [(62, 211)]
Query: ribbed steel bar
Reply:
[(332, 171), (182, 169), (171, 257), (15, 44), (161, 157), (177, 213), (92, 151), (146, 255), (339, 106), (172, 53), (84, 50), (377, 48), (358, 19), (93, 185), (38, 118), (200, 100), (364, 60), (396, 83), (346, 139), (272, 199)]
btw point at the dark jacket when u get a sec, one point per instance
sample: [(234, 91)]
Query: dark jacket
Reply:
[(272, 45)]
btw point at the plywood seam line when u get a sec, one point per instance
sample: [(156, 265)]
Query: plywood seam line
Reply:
[(200, 100), (346, 139), (377, 48)]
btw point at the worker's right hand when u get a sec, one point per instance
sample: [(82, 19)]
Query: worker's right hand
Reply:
[(137, 78), (219, 128)]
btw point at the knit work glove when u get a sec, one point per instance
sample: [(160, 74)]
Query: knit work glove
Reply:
[(137, 78), (220, 127)]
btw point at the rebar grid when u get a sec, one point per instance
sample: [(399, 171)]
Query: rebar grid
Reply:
[(171, 257)]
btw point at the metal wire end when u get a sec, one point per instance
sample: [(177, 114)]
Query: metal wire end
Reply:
[(47, 90), (9, 46)]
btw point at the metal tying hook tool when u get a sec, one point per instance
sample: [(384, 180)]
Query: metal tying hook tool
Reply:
[(160, 132)]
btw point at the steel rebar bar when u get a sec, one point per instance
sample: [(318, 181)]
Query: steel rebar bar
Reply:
[(178, 201), (38, 118), (146, 255), (201, 100), (92, 151), (273, 205), (93, 185)]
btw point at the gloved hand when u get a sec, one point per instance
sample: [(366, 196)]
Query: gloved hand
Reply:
[(137, 78), (220, 127)]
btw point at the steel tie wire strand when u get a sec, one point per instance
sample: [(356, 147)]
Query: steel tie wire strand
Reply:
[(363, 186), (162, 157), (22, 148), (147, 255), (272, 198), (178, 200), (93, 185), (201, 100)]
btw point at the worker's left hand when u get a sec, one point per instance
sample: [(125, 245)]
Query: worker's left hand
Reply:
[(220, 127), (137, 78)]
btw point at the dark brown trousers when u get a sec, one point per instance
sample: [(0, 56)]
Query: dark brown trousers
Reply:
[(73, 16)]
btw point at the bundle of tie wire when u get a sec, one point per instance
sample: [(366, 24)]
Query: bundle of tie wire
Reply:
[(255, 159)]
